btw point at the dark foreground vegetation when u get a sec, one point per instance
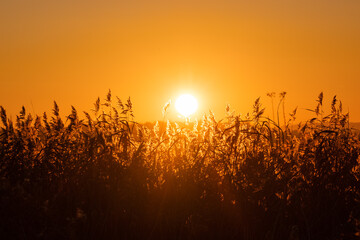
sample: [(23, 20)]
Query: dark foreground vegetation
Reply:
[(245, 177)]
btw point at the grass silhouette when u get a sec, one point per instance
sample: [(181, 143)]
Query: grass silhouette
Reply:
[(108, 177)]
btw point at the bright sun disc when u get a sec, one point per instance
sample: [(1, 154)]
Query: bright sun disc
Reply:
[(186, 105)]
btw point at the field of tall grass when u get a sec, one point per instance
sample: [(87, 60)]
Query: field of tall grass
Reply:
[(242, 177)]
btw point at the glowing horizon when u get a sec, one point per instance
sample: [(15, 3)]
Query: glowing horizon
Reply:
[(228, 52)]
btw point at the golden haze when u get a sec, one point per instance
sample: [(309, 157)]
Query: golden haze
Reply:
[(221, 52)]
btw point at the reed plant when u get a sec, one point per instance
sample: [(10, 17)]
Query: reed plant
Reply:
[(106, 176)]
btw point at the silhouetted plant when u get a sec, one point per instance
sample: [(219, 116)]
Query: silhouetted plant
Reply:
[(108, 177)]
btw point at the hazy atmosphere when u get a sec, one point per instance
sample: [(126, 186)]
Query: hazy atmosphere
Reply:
[(222, 52), (180, 119)]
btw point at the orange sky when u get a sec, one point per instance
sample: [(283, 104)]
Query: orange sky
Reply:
[(222, 52)]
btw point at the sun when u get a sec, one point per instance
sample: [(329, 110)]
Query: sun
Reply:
[(186, 105)]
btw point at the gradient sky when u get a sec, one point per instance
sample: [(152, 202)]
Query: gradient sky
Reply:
[(222, 52)]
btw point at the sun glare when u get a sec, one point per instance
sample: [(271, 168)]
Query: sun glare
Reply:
[(186, 105)]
